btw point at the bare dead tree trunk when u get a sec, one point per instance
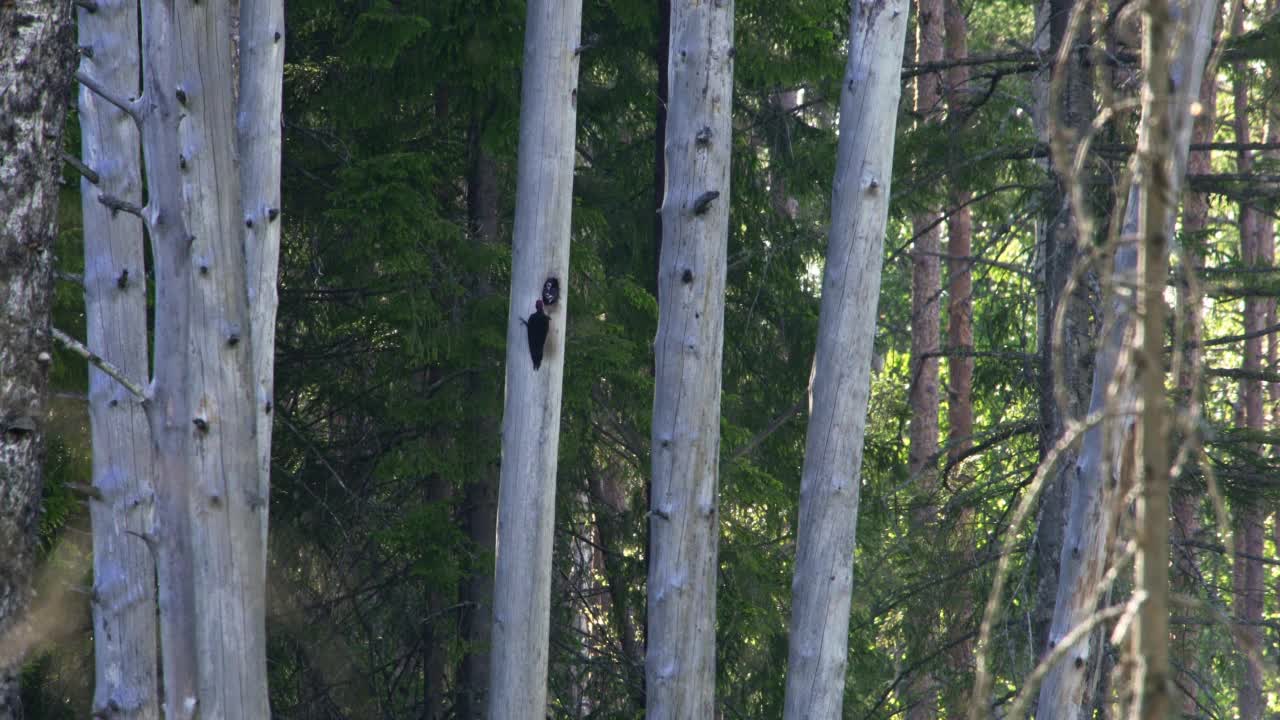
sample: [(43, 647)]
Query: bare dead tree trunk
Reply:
[(531, 421), (841, 386), (209, 402), (115, 283), (684, 521), (1065, 693), (36, 60), (1065, 349)]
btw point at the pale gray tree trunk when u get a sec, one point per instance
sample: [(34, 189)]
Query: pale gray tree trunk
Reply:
[(208, 404), (35, 71), (683, 515), (115, 287), (259, 126), (1065, 693), (841, 384), (531, 419), (1065, 351)]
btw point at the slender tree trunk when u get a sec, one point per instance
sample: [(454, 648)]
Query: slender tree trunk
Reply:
[(438, 492), (531, 422), (684, 520), (841, 384), (115, 282), (611, 511), (1186, 504), (959, 248), (1065, 693), (1065, 348), (260, 121), (662, 56), (36, 61), (926, 285), (480, 513), (1247, 563), (959, 336), (926, 292)]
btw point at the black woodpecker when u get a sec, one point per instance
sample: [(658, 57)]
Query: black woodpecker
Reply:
[(538, 325)]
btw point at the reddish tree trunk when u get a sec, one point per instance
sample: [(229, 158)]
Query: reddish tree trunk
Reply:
[(926, 289), (1186, 515)]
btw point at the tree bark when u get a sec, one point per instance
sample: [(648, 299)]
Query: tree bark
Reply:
[(926, 294), (926, 283), (838, 396), (260, 122), (209, 401), (531, 422), (480, 512), (683, 514), (959, 248), (115, 283), (1065, 693), (36, 61), (1186, 504), (1065, 352), (1247, 582)]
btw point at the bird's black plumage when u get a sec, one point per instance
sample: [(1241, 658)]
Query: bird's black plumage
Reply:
[(538, 324)]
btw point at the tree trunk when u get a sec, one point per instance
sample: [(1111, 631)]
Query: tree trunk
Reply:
[(209, 402), (531, 422), (959, 248), (662, 56), (926, 283), (1186, 504), (926, 292), (684, 522), (260, 120), (1065, 693), (611, 504), (36, 61), (1157, 206), (959, 337), (1247, 561), (115, 282), (1065, 332), (480, 511), (841, 385)]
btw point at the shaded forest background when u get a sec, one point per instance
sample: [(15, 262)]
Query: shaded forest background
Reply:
[(399, 171)]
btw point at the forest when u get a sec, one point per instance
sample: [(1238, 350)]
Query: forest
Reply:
[(675, 359)]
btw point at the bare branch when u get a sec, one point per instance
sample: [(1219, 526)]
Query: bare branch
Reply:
[(80, 167), (88, 491), (118, 205), (129, 107), (69, 277), (97, 361)]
